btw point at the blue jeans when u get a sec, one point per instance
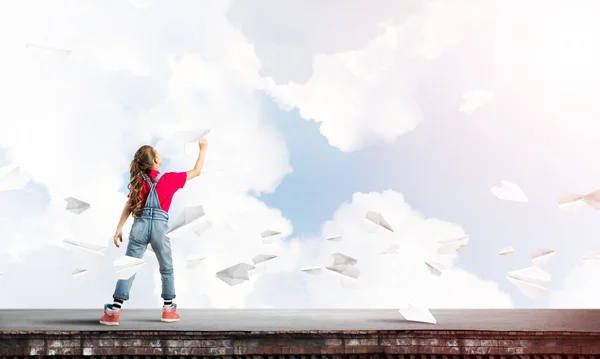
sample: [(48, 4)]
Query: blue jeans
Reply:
[(150, 228)]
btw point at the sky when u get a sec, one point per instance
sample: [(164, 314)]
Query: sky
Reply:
[(317, 115)]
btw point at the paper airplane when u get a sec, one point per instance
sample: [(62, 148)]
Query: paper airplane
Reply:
[(86, 247), (452, 245), (394, 248), (342, 259), (506, 251), (541, 257), (191, 138), (189, 215), (269, 236), (78, 272), (201, 228), (531, 290), (472, 100), (76, 206), (192, 263), (509, 191), (12, 178), (435, 268), (49, 48), (417, 314), (575, 202), (378, 219), (236, 274), (261, 258), (335, 239), (532, 274), (312, 270), (591, 256), (345, 269), (126, 266)]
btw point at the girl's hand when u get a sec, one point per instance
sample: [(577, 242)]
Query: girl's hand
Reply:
[(118, 237), (203, 144)]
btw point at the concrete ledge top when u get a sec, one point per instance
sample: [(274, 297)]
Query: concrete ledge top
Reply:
[(297, 321)]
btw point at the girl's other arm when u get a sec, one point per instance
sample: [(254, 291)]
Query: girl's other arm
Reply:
[(124, 215), (195, 172)]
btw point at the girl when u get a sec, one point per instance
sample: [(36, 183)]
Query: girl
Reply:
[(149, 200)]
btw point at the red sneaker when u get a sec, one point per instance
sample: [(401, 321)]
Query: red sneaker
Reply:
[(169, 315), (111, 316)]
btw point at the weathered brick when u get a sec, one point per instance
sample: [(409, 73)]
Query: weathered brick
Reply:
[(174, 343)]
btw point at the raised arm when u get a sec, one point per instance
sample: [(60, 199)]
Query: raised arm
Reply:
[(195, 172)]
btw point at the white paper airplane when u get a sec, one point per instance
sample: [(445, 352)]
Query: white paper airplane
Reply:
[(452, 245), (261, 258), (378, 219), (591, 256), (191, 138), (12, 178), (269, 236), (49, 48), (532, 274), (86, 247), (236, 274), (192, 263), (417, 314), (342, 259), (78, 272), (335, 239), (126, 266), (201, 228), (575, 202), (76, 206), (541, 257), (509, 191), (531, 290), (435, 268), (189, 215), (345, 269), (312, 270), (472, 100), (392, 249), (506, 251)]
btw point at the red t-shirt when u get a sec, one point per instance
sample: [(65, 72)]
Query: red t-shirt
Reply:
[(166, 187)]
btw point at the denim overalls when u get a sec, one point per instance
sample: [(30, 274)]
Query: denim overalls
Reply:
[(151, 227)]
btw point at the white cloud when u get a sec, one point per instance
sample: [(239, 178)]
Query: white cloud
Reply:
[(363, 94), (396, 279), (580, 289)]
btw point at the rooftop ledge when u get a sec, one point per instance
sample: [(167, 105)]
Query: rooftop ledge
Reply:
[(298, 334)]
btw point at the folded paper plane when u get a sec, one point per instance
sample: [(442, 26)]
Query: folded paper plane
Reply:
[(236, 274), (575, 202), (509, 191), (49, 48), (506, 251), (378, 219), (335, 239), (189, 215), (201, 227), (343, 259), (472, 100), (531, 290), (194, 262), (269, 236), (312, 270), (542, 256), (76, 206), (86, 247), (417, 314), (12, 178), (435, 268), (261, 258), (77, 272), (125, 266), (452, 245), (392, 249), (191, 138), (345, 270)]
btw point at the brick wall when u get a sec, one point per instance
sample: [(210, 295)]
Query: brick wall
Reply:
[(299, 345)]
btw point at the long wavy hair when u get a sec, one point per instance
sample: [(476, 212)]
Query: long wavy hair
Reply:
[(143, 162)]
